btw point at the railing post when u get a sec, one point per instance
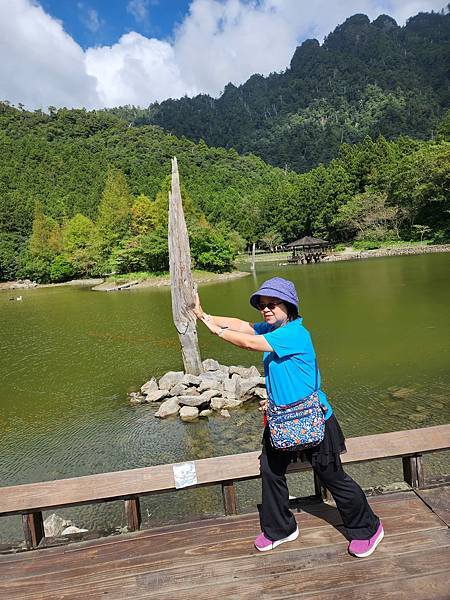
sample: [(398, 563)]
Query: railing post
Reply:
[(229, 497), (320, 490), (33, 528), (133, 513), (413, 470)]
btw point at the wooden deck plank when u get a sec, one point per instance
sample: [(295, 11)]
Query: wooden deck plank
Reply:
[(421, 587), (299, 572), (124, 564), (237, 531), (438, 499)]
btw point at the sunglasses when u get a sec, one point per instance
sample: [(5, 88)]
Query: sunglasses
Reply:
[(269, 305)]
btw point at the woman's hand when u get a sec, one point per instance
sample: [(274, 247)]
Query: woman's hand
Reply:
[(210, 324), (198, 310), (263, 405)]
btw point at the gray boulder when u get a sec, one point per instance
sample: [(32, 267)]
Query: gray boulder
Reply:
[(245, 372), (170, 379), (137, 398), (73, 529), (189, 379), (188, 413), (168, 408), (218, 403), (205, 413), (213, 376), (225, 413), (192, 391), (210, 384), (247, 387), (54, 525), (232, 386), (261, 392), (190, 400), (178, 390), (149, 386), (210, 364), (208, 394), (156, 395)]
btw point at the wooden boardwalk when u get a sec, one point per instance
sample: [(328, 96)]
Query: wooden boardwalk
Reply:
[(215, 558)]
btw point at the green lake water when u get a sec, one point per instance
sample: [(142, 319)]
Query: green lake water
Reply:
[(69, 356)]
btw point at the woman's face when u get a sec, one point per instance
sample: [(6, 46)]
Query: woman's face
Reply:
[(273, 310)]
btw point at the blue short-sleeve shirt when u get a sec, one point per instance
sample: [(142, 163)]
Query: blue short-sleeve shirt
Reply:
[(290, 370)]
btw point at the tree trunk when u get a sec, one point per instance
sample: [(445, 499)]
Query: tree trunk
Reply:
[(253, 256), (182, 284)]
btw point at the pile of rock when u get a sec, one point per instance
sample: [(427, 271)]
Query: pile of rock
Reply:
[(217, 389)]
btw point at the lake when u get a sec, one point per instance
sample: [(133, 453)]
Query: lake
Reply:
[(69, 356)]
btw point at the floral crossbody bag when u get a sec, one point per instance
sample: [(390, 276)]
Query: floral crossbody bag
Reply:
[(297, 426)]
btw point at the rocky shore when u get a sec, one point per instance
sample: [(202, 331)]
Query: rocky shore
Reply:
[(350, 254), (213, 392)]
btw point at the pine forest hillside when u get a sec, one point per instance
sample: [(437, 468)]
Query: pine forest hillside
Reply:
[(366, 79)]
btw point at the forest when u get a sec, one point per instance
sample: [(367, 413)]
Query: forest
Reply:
[(85, 193), (366, 79)]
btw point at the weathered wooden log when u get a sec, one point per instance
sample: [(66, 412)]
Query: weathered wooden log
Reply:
[(182, 283)]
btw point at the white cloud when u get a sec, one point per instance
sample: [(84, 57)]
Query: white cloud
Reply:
[(41, 64), (139, 9), (89, 17), (218, 41)]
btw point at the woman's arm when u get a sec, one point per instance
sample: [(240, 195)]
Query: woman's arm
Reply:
[(247, 341), (224, 322)]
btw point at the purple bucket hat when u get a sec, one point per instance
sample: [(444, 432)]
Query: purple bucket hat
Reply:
[(278, 288)]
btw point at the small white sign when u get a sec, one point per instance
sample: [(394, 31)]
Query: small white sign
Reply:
[(184, 475)]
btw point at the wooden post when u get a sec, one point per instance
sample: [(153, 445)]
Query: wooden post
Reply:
[(33, 529), (133, 513), (229, 497), (413, 470), (183, 289), (253, 256)]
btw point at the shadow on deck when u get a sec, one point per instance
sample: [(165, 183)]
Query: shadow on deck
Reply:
[(215, 558)]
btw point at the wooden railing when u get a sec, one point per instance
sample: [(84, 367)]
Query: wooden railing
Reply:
[(30, 500)]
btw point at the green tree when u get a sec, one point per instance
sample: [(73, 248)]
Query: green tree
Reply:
[(114, 212), (79, 245)]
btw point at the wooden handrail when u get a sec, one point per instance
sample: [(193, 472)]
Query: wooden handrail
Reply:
[(33, 498)]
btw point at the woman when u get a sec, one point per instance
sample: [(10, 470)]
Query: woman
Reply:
[(291, 374)]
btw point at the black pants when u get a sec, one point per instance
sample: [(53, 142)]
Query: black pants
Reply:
[(277, 521)]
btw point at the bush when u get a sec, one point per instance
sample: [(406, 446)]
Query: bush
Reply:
[(366, 245), (149, 252), (61, 269), (211, 251), (35, 268), (339, 247)]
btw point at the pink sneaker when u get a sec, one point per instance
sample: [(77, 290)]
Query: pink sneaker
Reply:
[(262, 543), (362, 548)]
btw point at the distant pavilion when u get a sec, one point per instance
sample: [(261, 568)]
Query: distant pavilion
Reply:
[(308, 249)]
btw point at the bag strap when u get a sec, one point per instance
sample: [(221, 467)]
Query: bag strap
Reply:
[(316, 387)]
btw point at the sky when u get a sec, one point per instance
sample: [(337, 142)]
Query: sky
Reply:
[(104, 53)]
